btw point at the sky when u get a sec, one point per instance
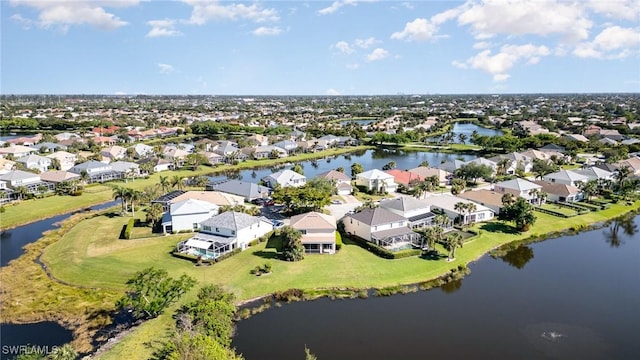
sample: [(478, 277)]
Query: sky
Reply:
[(342, 47)]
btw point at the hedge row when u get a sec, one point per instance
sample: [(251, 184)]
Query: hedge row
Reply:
[(551, 212), (580, 209), (338, 241), (129, 228)]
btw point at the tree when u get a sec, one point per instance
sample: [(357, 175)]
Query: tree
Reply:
[(200, 181), (292, 248), (154, 214), (356, 169), (462, 137), (309, 355), (121, 193), (535, 194), (589, 188), (135, 196), (541, 168), (508, 199), (469, 208), (473, 171), (177, 182), (211, 314), (340, 169), (460, 208), (502, 166), (457, 186), (64, 352), (298, 168), (195, 160), (151, 290), (390, 165), (164, 183), (188, 345), (521, 213), (425, 163), (451, 243)]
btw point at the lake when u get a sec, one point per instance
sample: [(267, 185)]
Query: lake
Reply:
[(574, 297), (369, 159), (468, 129)]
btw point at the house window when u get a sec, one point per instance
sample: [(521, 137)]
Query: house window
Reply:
[(206, 228), (233, 232), (195, 226), (217, 230), (304, 232)]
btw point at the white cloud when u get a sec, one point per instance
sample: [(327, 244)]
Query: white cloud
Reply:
[(164, 27), (344, 47), (618, 9), (377, 54), (366, 43), (65, 13), (165, 68), (332, 92), (211, 10), (407, 5), (416, 30), (512, 17), (499, 64), (26, 23), (481, 45), (622, 41), (335, 6), (353, 66), (267, 31)]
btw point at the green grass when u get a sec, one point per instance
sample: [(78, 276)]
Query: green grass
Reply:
[(91, 255), (559, 209)]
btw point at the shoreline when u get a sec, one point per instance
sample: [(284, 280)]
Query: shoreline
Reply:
[(83, 208)]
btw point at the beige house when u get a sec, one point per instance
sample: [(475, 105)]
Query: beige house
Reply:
[(318, 232)]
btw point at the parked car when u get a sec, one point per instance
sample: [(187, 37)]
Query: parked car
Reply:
[(278, 224), (336, 202)]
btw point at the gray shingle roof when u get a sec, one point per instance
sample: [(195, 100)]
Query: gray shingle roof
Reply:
[(403, 203), (376, 216), (231, 220)]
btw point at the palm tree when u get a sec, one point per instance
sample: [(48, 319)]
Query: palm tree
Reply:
[(22, 192), (121, 193), (589, 188), (502, 166), (535, 195), (154, 214), (460, 207), (621, 175), (134, 197), (64, 352), (177, 182), (469, 208), (462, 138), (508, 199), (452, 242), (430, 236), (164, 183), (442, 220)]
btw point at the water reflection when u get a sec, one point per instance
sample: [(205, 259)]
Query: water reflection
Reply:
[(612, 234), (518, 257), (451, 286)]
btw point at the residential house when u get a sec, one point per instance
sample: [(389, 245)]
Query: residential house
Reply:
[(129, 169), (444, 177), (225, 232), (104, 141), (553, 147), (48, 147), (376, 180), (6, 165), (96, 171), (215, 197), (17, 178), (558, 192), (450, 166), (17, 151), (265, 152), (514, 161), (213, 158), (612, 134), (446, 203), (227, 149), (576, 137), (289, 146), (284, 178), (66, 136), (206, 145), (66, 159), (341, 181), (258, 140), (633, 163), (417, 212), (35, 162), (520, 188), (141, 151), (404, 177), (248, 190), (297, 135), (318, 232), (484, 197), (57, 176), (114, 153), (381, 227), (157, 163), (568, 177), (595, 173), (174, 154), (186, 215)]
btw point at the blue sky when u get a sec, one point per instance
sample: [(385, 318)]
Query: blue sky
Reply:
[(343, 47)]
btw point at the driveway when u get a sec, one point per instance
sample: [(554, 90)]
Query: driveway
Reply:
[(340, 210)]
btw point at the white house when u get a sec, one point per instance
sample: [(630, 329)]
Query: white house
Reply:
[(18, 178), (416, 211), (381, 227), (318, 232), (35, 162), (561, 192), (567, 177), (520, 188), (285, 178), (595, 173), (340, 180), (187, 215), (141, 151), (377, 180), (447, 202), (225, 232), (66, 159)]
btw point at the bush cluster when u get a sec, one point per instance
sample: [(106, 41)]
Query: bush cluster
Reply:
[(129, 229)]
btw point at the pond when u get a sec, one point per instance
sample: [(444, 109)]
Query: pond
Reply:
[(369, 159), (468, 129), (12, 241), (40, 338), (575, 297)]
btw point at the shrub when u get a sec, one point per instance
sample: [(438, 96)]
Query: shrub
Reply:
[(2, 209), (338, 241), (129, 228), (228, 255), (406, 253), (266, 268), (254, 242), (289, 295)]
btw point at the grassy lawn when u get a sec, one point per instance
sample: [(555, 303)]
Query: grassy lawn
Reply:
[(91, 255), (559, 209)]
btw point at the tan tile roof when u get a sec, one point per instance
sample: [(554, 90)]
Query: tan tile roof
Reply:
[(483, 196), (313, 220)]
